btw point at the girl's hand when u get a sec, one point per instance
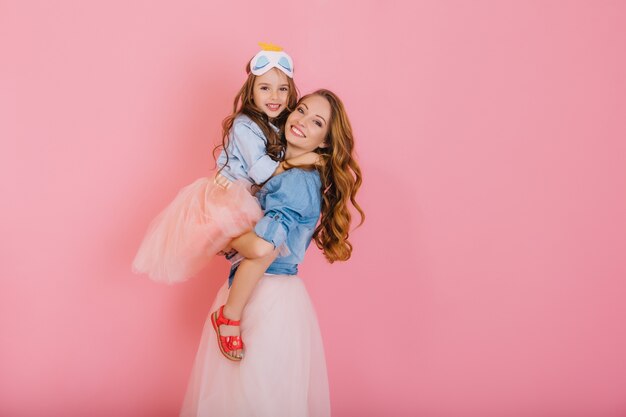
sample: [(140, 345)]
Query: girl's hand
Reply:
[(304, 160), (309, 158), (222, 181)]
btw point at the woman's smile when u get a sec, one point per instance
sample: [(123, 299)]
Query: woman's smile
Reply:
[(297, 131)]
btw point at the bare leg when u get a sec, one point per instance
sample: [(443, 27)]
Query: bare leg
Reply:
[(246, 278)]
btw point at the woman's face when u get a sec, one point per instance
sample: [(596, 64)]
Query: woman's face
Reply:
[(307, 126)]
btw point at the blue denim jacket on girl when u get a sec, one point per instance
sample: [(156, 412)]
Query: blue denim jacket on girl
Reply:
[(247, 158), (291, 203)]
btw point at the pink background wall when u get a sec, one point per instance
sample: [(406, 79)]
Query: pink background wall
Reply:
[(488, 280)]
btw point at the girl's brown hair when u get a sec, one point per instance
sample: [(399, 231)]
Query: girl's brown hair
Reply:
[(341, 179), (244, 104)]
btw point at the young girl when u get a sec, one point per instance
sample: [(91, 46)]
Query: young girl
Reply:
[(284, 370), (208, 213)]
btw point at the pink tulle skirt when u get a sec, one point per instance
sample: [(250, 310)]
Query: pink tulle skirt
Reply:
[(283, 372), (197, 224)]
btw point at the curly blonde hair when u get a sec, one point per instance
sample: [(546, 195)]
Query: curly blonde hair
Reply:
[(341, 179)]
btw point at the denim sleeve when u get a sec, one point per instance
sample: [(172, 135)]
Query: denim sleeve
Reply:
[(292, 199), (250, 144)]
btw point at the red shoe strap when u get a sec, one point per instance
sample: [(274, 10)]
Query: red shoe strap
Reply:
[(221, 319)]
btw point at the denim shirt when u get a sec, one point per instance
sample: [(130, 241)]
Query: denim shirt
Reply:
[(247, 159), (291, 203)]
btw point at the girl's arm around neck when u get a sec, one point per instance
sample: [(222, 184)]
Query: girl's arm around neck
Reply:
[(306, 160)]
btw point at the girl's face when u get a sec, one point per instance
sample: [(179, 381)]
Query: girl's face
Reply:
[(271, 92), (307, 126)]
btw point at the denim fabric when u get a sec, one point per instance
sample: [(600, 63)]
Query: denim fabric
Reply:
[(291, 202), (247, 159)]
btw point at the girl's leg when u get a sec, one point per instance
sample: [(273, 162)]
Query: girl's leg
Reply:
[(246, 278)]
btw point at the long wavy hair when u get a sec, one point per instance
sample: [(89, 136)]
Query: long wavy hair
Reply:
[(341, 179), (244, 104)]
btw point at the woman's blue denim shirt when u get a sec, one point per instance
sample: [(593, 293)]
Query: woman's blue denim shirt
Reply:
[(291, 203), (247, 157)]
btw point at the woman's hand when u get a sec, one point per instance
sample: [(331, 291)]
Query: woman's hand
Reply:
[(227, 251)]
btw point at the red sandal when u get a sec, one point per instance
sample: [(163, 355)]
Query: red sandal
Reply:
[(226, 343)]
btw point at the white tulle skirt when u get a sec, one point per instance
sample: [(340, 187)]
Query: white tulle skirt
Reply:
[(283, 372), (198, 223)]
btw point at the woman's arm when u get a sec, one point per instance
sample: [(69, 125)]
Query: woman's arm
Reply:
[(289, 199), (251, 246)]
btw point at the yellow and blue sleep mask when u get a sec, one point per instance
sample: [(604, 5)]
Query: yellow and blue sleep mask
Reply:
[(271, 56)]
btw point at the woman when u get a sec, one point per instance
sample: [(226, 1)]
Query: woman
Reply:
[(284, 370)]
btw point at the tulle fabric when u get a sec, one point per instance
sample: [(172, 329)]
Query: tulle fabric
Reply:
[(197, 224), (283, 372)]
